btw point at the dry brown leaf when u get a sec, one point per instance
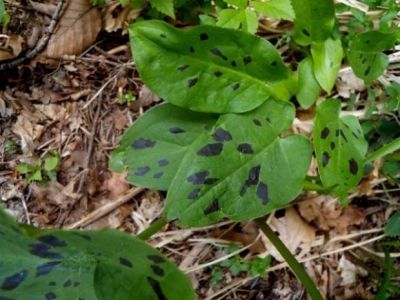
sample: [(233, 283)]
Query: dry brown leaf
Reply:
[(327, 213), (117, 17), (11, 47), (294, 232), (116, 185), (77, 29), (147, 97)]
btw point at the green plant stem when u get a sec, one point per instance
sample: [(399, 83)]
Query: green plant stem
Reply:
[(296, 267), (384, 150), (154, 228), (311, 186)]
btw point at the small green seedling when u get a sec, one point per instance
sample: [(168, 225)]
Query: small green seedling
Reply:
[(127, 98), (42, 170)]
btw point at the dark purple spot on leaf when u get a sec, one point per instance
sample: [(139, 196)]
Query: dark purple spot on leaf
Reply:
[(210, 181), (158, 175), (333, 145), (52, 240), (217, 52), (191, 49), (247, 59), (143, 143), (163, 162), (325, 159), (233, 63), (214, 206), (218, 74), (235, 86), (199, 177), (324, 133), (268, 120), (155, 285), (157, 270), (42, 250), (125, 262), (353, 166), (156, 259), (141, 171), (50, 296), (203, 37), (262, 192), (211, 149), (257, 122), (193, 195), (305, 32), (176, 130), (46, 268), (183, 68), (252, 179), (367, 70), (274, 63), (221, 135), (245, 148), (68, 283), (192, 82), (14, 281)]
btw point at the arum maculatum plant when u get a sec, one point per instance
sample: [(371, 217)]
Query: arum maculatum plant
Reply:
[(221, 145)]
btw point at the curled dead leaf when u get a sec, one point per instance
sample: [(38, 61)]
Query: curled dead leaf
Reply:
[(10, 46), (117, 17)]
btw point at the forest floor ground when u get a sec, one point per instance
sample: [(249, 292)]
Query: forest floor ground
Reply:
[(78, 107)]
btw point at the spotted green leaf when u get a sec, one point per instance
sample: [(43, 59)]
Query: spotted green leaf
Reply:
[(365, 53), (207, 68), (340, 148), (245, 19), (314, 20), (153, 147), (308, 86), (278, 9), (242, 169), (97, 265), (327, 59)]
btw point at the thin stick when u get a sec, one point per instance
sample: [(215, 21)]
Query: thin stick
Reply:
[(104, 210), (294, 265)]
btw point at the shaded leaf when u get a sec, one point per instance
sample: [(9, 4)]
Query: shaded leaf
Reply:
[(153, 147), (327, 59), (164, 6), (308, 86), (314, 20), (246, 20), (208, 68), (392, 227), (241, 175), (55, 264), (278, 9), (340, 148), (365, 53)]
